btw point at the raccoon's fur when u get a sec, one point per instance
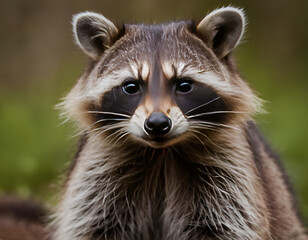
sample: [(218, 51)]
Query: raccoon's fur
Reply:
[(169, 149)]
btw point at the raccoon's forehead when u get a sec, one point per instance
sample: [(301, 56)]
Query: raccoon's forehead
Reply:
[(142, 46), (174, 47)]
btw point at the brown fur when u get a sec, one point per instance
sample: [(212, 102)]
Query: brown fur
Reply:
[(285, 220)]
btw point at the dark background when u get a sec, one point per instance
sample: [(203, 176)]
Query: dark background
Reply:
[(39, 63)]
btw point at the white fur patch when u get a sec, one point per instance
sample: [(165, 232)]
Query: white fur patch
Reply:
[(180, 124), (145, 71), (136, 123), (170, 69), (167, 69)]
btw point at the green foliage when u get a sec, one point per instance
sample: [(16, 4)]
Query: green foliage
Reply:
[(35, 146)]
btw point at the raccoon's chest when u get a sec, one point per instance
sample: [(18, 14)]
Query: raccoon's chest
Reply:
[(153, 198)]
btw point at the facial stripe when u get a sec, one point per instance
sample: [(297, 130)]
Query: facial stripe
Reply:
[(210, 78), (98, 84), (156, 85)]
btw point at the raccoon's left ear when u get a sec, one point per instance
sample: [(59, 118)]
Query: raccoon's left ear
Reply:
[(94, 33), (222, 29)]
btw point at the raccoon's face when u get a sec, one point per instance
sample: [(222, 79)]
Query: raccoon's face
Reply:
[(159, 84)]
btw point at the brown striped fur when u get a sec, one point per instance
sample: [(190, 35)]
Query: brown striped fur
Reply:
[(211, 176)]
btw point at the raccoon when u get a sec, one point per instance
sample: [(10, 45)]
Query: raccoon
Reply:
[(169, 148)]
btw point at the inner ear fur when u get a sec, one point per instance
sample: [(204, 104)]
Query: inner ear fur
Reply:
[(94, 33), (222, 30)]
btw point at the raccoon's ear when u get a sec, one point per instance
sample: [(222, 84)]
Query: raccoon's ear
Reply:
[(222, 29), (94, 33)]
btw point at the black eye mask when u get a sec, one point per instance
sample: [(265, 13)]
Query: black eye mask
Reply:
[(200, 103), (119, 101), (196, 100)]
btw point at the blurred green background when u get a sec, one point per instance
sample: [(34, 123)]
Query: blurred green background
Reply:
[(39, 63)]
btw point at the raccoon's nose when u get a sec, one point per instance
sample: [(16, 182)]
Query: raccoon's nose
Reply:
[(157, 124)]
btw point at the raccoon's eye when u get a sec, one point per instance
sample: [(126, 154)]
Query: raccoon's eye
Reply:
[(184, 85), (131, 87)]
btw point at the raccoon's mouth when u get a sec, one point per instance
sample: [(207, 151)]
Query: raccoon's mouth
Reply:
[(161, 141), (158, 140)]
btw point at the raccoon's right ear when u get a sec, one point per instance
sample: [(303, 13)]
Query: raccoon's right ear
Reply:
[(94, 33)]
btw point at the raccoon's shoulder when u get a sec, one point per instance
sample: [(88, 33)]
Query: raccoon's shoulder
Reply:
[(267, 159)]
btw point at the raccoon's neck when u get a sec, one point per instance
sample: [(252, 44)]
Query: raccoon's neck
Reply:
[(185, 192)]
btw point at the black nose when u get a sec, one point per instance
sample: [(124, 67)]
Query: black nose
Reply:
[(157, 124)]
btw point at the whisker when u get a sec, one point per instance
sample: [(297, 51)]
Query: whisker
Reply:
[(116, 133), (214, 112), (209, 125), (202, 105), (110, 113), (210, 128), (98, 121), (62, 122), (123, 134), (204, 135), (175, 149), (205, 148), (216, 124), (100, 128), (107, 128)]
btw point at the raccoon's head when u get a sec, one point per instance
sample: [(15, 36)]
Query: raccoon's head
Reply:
[(159, 84)]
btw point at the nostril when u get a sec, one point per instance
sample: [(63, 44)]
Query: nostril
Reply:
[(157, 124), (149, 125), (165, 125)]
